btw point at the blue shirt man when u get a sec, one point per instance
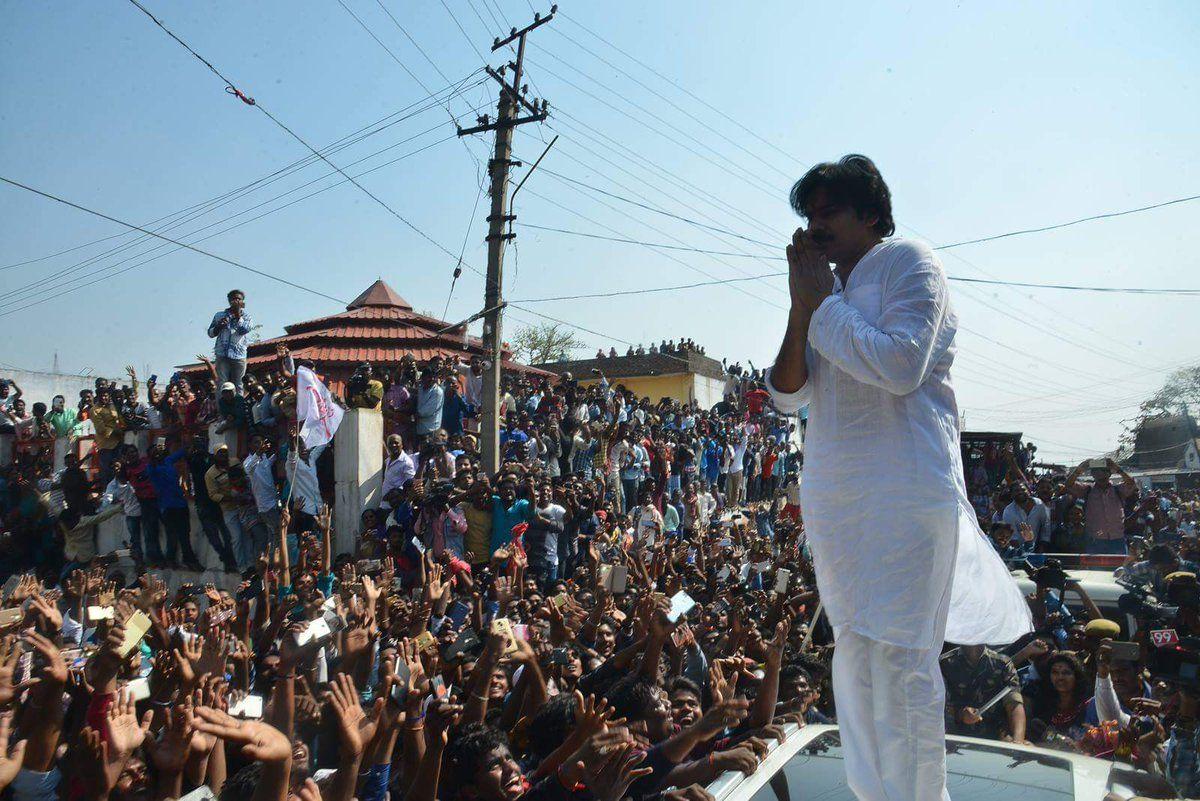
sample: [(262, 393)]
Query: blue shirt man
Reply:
[(231, 327), (165, 478), (507, 511)]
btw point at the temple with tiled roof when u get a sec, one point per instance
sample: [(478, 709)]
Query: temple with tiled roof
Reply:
[(379, 327)]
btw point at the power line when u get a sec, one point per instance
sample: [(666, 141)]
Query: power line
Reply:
[(463, 30), (53, 277), (663, 212), (203, 207), (572, 325), (313, 150), (694, 118), (1024, 284), (678, 86), (670, 256), (758, 181), (56, 292), (734, 171), (624, 292), (719, 111), (130, 225), (674, 198), (1106, 216)]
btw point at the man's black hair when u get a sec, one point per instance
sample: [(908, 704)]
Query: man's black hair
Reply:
[(229, 295), (466, 752), (633, 698), (793, 673), (1161, 555), (551, 724), (686, 685), (854, 181), (242, 784)]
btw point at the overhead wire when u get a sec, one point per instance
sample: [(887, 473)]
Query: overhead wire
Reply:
[(740, 175), (1058, 226), (371, 129), (715, 109), (230, 197), (677, 85), (463, 30), (670, 256), (110, 218), (56, 291), (713, 231), (755, 179), (279, 123), (738, 254)]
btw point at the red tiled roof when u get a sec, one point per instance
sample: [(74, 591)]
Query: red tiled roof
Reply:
[(380, 294), (379, 326)]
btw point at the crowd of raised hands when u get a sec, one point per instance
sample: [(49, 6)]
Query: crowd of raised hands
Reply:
[(652, 670)]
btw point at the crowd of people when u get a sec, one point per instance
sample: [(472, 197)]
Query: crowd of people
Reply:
[(625, 609)]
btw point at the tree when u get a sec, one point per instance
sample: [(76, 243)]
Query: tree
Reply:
[(1179, 394), (545, 342)]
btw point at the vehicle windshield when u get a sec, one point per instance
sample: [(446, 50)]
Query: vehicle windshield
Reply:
[(974, 773)]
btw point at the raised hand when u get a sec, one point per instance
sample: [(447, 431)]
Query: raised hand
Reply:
[(54, 672), (125, 734), (355, 729), (610, 778), (809, 278), (442, 716), (260, 741), (10, 762), (9, 654), (169, 752), (48, 611), (591, 715), (776, 645), (723, 715)]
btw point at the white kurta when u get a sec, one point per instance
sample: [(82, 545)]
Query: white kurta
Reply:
[(894, 538)]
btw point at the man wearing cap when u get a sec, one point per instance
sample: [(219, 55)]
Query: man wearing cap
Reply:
[(231, 327), (232, 407)]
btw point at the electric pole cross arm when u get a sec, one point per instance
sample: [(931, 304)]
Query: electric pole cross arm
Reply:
[(512, 102)]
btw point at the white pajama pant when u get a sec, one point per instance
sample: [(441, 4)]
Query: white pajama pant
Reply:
[(890, 710)]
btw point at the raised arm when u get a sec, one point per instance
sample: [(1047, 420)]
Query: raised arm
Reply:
[(212, 371), (914, 330), (789, 375)]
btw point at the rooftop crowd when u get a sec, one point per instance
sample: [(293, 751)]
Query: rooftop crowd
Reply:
[(625, 609)]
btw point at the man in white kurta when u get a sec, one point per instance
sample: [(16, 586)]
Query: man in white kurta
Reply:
[(900, 561)]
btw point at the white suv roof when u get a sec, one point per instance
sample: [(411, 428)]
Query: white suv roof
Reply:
[(1092, 778)]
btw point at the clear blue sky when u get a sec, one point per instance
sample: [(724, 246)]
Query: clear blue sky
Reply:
[(983, 117)]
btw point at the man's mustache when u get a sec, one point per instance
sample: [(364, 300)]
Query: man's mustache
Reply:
[(821, 237)]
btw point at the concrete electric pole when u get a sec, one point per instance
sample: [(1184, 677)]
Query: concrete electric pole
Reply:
[(512, 104)]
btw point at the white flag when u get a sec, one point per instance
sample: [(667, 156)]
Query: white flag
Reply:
[(319, 416)]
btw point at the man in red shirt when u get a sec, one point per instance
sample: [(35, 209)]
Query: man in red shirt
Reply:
[(755, 399)]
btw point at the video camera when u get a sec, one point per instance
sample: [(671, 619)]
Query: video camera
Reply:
[(1178, 664), (1140, 602), (359, 381), (1050, 576)]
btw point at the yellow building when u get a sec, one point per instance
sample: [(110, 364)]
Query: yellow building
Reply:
[(684, 375)]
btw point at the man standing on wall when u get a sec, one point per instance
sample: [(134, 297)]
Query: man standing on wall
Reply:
[(901, 563), (231, 328)]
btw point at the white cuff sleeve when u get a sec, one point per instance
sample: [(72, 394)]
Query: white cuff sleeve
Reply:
[(788, 402)]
